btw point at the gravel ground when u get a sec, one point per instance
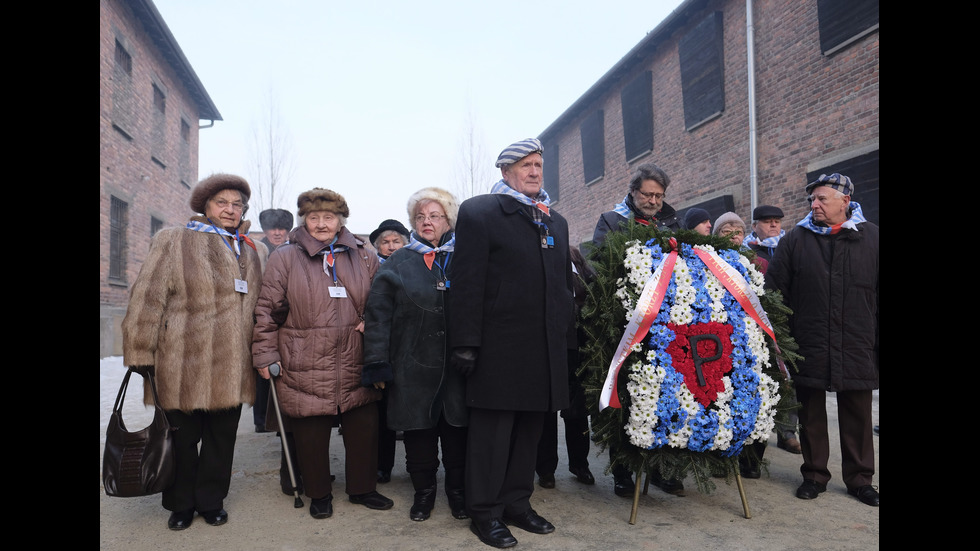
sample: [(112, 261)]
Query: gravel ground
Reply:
[(586, 517)]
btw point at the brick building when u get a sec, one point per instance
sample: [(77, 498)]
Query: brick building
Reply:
[(732, 134), (150, 105)]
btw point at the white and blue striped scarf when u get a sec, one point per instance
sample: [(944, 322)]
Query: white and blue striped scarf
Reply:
[(195, 225), (502, 188), (769, 242), (856, 217)]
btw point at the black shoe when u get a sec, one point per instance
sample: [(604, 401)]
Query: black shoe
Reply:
[(322, 507), (623, 486), (547, 480), (425, 499), (792, 445), (671, 486), (457, 503), (384, 477), (810, 489), (751, 471), (372, 500), (530, 521), (583, 475), (493, 532), (216, 517), (261, 428), (867, 494), (180, 520)]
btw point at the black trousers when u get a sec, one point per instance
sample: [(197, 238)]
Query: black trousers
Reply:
[(422, 455), (203, 477), (312, 436), (856, 436), (501, 452), (386, 437), (576, 443), (261, 401)]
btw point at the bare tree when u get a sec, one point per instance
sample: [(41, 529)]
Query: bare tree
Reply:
[(270, 158), (474, 170)]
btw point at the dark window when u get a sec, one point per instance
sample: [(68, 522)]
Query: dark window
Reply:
[(155, 225), (842, 22), (637, 100), (118, 220), (185, 130), (593, 147), (551, 170), (124, 62), (702, 63), (863, 172), (159, 99)]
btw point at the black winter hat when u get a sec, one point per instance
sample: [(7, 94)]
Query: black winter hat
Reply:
[(276, 219), (392, 225)]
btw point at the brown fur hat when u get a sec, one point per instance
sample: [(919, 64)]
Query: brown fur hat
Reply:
[(439, 195), (319, 198), (212, 185)]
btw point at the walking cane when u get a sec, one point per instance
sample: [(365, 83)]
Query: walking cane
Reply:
[(274, 370)]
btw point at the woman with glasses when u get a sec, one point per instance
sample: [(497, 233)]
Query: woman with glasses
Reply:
[(190, 321), (405, 349)]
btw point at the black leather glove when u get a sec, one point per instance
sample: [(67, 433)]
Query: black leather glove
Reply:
[(463, 359)]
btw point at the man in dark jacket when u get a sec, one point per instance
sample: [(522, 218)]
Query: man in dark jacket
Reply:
[(644, 203), (510, 317), (827, 271), (767, 230), (276, 224)]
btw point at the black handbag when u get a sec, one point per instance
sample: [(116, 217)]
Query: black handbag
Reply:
[(138, 463)]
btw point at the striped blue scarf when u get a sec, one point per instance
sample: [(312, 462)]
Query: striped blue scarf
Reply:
[(502, 188), (856, 217), (769, 242)]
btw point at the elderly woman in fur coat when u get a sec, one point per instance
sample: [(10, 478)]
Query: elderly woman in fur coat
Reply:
[(322, 277), (405, 343), (190, 321)]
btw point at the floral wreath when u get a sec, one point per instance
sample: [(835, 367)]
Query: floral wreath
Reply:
[(721, 403), (704, 381)]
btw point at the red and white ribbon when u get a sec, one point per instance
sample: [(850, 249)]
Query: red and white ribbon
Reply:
[(647, 307)]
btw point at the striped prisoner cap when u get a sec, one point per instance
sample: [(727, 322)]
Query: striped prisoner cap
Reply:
[(517, 151)]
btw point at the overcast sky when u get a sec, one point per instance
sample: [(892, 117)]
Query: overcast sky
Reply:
[(375, 96)]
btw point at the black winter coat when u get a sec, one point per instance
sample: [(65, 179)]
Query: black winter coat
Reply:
[(831, 284), (512, 299), (612, 221), (405, 329)]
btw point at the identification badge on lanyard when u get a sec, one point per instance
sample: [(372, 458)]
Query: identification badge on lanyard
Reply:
[(547, 242), (442, 285), (338, 292), (241, 286)]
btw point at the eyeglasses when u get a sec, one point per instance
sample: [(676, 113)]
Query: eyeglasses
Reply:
[(235, 205), (435, 218), (732, 232), (654, 195)]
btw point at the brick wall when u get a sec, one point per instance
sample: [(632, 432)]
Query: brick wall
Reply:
[(146, 161), (811, 110)]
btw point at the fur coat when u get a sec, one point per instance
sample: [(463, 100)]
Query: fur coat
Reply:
[(186, 319)]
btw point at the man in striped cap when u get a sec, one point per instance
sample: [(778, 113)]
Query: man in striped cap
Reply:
[(511, 323)]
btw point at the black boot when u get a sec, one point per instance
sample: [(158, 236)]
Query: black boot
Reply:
[(456, 494), (425, 499), (623, 481), (425, 495)]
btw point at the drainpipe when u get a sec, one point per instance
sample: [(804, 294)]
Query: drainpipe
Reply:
[(750, 66)]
